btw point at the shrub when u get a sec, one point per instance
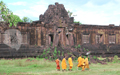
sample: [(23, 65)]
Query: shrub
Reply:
[(49, 58), (59, 53), (55, 50), (46, 57), (41, 56), (88, 58), (75, 58), (84, 56), (84, 49), (94, 57), (44, 52), (107, 59), (75, 46), (51, 44), (79, 46), (48, 49), (115, 59), (62, 53), (87, 50)]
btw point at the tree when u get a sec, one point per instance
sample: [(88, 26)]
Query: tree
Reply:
[(26, 19), (77, 22), (8, 16), (70, 14)]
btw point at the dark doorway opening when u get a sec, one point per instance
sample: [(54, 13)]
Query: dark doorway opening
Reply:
[(50, 39), (67, 36)]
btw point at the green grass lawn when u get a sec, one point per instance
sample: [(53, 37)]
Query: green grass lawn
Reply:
[(47, 67)]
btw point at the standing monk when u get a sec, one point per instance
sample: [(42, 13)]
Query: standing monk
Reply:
[(57, 63), (64, 64), (83, 64), (87, 63), (70, 62), (79, 61)]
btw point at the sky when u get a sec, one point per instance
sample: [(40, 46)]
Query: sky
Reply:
[(95, 12)]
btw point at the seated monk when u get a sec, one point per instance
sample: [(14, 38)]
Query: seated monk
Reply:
[(70, 62), (87, 63), (57, 64), (79, 61), (64, 64)]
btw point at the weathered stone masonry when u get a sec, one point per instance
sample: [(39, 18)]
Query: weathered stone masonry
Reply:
[(56, 28)]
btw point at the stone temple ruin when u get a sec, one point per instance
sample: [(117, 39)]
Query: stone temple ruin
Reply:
[(56, 28)]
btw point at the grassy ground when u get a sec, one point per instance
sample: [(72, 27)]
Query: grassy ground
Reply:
[(46, 67)]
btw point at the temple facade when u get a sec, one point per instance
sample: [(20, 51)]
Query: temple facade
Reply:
[(56, 28)]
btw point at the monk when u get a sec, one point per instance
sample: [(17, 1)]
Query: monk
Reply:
[(64, 64), (79, 61), (57, 64), (83, 64), (87, 63), (70, 62)]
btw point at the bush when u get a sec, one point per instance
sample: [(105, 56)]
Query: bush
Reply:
[(84, 57), (44, 52), (115, 59), (59, 53), (88, 58), (55, 50), (84, 49), (62, 53), (48, 49), (75, 46), (51, 44), (46, 57), (87, 50), (94, 57), (79, 46)]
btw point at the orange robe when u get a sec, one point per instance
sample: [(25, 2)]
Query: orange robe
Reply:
[(79, 62), (83, 64), (86, 63), (64, 65), (57, 63), (70, 62)]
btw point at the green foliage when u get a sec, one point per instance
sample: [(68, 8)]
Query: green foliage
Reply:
[(44, 52), (87, 50), (33, 66), (79, 46), (115, 59), (41, 56), (51, 44), (75, 46), (94, 57), (55, 50), (46, 57), (8, 16), (84, 56), (26, 19), (75, 58), (88, 58), (48, 49), (59, 53), (69, 13), (77, 22), (107, 59), (62, 53), (49, 58), (84, 49)]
